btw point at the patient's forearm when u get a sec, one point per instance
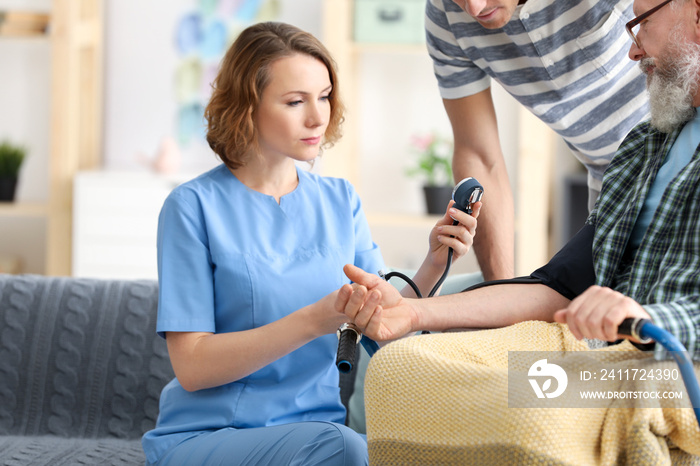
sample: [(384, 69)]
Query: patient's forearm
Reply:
[(490, 307)]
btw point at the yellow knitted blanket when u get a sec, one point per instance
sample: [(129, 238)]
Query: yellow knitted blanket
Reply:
[(443, 399)]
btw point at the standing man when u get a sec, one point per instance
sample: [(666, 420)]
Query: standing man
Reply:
[(565, 60)]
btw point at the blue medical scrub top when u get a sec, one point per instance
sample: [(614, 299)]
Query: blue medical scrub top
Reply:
[(231, 259)]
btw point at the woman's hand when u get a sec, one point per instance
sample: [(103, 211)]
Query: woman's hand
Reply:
[(445, 235), (375, 306), (326, 315)]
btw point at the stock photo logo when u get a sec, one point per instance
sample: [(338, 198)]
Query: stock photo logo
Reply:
[(546, 372)]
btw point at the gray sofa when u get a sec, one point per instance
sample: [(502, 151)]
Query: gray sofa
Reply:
[(81, 370)]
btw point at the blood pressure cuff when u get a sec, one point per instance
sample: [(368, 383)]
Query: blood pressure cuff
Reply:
[(570, 272)]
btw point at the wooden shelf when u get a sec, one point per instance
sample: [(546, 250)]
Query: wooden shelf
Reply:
[(25, 36), (76, 116), (16, 23), (23, 209), (75, 35)]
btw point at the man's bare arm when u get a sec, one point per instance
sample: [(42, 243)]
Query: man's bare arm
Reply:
[(478, 154), (389, 316)]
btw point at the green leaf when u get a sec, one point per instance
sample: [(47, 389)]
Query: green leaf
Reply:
[(433, 162), (11, 158)]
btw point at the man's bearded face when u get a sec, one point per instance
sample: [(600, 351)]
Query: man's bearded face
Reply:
[(672, 81)]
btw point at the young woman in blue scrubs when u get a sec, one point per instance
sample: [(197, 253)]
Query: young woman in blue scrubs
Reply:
[(250, 261)]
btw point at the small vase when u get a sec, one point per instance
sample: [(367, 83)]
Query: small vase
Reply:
[(437, 198), (8, 185), (168, 159)]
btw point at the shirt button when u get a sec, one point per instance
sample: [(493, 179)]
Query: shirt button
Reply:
[(525, 16), (548, 62)]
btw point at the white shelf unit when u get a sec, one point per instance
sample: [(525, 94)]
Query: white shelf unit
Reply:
[(115, 225)]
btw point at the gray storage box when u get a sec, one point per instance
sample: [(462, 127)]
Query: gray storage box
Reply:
[(389, 21)]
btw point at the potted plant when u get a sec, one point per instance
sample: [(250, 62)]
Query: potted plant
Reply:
[(11, 158), (434, 166)]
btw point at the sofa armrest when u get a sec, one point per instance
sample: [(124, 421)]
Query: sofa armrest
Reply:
[(79, 357)]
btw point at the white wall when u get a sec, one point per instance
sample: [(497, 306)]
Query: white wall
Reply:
[(141, 91), (139, 100), (400, 98)]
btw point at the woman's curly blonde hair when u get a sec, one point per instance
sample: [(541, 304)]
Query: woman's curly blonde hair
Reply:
[(244, 74)]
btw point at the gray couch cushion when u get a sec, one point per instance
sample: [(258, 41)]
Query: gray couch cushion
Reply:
[(56, 451), (79, 359)]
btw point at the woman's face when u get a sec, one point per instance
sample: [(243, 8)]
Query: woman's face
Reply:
[(294, 109)]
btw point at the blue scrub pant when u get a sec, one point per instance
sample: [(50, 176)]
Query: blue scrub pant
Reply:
[(303, 443)]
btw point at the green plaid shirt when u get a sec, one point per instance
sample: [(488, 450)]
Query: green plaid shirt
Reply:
[(664, 275)]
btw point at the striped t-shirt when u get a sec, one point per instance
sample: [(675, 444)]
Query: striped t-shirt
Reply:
[(565, 60)]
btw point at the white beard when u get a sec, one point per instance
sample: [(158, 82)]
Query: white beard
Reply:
[(673, 84)]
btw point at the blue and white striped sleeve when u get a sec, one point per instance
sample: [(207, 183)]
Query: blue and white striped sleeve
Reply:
[(456, 74)]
